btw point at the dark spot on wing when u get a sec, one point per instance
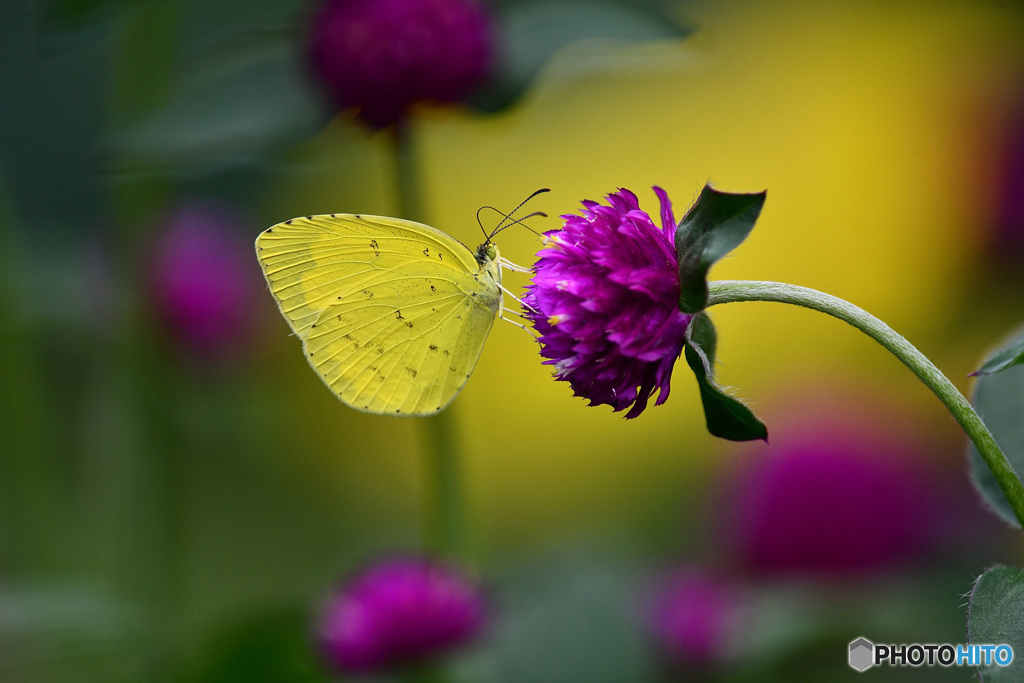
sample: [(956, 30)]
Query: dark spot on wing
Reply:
[(433, 288), (426, 251), (411, 371), (309, 218), (367, 293), (433, 347)]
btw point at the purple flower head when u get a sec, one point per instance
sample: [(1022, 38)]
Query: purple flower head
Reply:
[(833, 499), (381, 56), (604, 299), (399, 611), (203, 281), (696, 618)]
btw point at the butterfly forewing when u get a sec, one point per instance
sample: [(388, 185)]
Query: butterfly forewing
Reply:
[(393, 314)]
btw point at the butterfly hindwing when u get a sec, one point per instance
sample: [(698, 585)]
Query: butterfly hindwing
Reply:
[(393, 315), (382, 353)]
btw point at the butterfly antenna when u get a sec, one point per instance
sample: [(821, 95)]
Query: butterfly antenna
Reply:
[(508, 216), (514, 221)]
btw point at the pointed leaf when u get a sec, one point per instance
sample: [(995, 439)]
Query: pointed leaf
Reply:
[(530, 32), (716, 224), (999, 400), (1008, 357), (726, 417), (995, 615)]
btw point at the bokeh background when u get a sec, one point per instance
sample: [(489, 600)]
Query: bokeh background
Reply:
[(178, 490)]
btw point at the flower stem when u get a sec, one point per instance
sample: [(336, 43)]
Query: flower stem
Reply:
[(444, 507), (726, 291)]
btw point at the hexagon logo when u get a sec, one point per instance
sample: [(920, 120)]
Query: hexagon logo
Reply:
[(862, 654)]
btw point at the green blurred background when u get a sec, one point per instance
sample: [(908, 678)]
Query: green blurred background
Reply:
[(173, 515)]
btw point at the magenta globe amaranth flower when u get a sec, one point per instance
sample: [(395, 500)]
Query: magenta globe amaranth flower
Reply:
[(696, 618), (203, 281), (381, 56), (399, 611), (604, 298)]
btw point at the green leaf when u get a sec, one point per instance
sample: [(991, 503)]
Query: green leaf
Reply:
[(531, 32), (1008, 357), (242, 104), (726, 417), (716, 224), (995, 615), (999, 400)]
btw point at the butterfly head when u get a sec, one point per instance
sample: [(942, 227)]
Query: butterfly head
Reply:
[(486, 253)]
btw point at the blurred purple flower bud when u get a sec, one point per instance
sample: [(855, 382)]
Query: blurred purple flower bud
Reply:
[(399, 611), (203, 280), (1008, 220), (381, 56), (834, 498), (696, 618), (604, 298)]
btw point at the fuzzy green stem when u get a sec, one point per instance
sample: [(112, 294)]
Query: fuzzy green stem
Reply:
[(444, 504), (726, 291)]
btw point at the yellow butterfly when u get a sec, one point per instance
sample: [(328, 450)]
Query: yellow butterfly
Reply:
[(392, 314)]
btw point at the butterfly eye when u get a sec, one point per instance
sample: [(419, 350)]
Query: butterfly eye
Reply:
[(492, 252)]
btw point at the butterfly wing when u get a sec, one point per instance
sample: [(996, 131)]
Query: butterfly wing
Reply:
[(393, 315)]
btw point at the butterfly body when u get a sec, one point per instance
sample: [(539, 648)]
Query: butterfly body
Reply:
[(392, 314)]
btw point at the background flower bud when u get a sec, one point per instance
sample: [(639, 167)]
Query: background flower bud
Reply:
[(696, 617), (203, 281), (381, 56), (399, 611), (831, 496)]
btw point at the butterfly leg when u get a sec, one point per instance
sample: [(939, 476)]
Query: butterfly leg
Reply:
[(505, 263), (532, 332), (521, 302)]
